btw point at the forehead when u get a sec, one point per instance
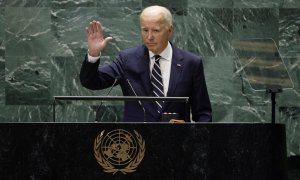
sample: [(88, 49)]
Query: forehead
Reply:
[(149, 20)]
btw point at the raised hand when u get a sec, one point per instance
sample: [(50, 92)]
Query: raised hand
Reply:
[(95, 40)]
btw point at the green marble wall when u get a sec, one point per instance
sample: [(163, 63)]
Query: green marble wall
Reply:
[(42, 44)]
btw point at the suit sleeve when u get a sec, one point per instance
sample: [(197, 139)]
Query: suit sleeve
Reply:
[(94, 77), (200, 103)]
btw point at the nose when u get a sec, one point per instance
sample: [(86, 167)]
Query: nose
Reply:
[(150, 36)]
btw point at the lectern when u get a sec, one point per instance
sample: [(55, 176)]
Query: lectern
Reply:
[(135, 151)]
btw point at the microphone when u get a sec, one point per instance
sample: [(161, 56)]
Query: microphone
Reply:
[(144, 111), (112, 86)]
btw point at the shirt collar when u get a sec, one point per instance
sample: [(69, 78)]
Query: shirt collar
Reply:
[(165, 54)]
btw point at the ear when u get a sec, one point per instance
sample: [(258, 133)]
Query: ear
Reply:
[(170, 31)]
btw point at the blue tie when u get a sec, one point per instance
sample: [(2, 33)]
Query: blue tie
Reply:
[(157, 83)]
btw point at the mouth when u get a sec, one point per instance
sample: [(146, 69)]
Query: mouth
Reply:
[(151, 44)]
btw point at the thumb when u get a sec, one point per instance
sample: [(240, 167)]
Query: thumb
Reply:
[(106, 40)]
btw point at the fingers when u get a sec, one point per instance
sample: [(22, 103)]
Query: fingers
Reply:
[(99, 26), (95, 36), (94, 27)]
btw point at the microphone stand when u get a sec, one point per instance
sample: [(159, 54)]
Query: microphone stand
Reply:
[(112, 86), (273, 90), (144, 111)]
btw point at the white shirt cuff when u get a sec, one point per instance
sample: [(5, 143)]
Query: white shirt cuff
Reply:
[(92, 59)]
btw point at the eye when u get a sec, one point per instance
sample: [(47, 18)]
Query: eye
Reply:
[(145, 30)]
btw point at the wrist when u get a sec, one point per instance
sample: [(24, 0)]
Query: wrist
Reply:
[(94, 53), (93, 59)]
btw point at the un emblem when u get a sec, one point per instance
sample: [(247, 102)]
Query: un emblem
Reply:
[(119, 150)]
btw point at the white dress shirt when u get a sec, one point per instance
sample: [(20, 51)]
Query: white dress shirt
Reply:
[(165, 65)]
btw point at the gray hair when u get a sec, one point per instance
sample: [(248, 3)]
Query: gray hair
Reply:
[(159, 10)]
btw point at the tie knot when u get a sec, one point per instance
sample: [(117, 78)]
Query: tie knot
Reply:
[(157, 57)]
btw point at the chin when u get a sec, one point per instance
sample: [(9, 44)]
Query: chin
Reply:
[(152, 50)]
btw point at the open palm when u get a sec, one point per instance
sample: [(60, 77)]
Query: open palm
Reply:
[(95, 40)]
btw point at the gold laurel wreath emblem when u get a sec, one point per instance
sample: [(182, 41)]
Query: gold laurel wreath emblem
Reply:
[(108, 167)]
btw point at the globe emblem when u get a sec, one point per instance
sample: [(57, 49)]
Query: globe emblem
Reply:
[(119, 151), (119, 147)]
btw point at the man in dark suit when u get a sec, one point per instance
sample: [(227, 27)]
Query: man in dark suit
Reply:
[(140, 72)]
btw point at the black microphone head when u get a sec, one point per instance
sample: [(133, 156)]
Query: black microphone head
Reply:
[(117, 78), (124, 77)]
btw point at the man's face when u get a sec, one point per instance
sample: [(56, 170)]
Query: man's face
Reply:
[(155, 33)]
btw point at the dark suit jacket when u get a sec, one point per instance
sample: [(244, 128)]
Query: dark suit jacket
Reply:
[(186, 80)]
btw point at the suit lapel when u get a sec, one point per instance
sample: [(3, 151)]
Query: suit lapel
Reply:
[(144, 65), (176, 70)]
